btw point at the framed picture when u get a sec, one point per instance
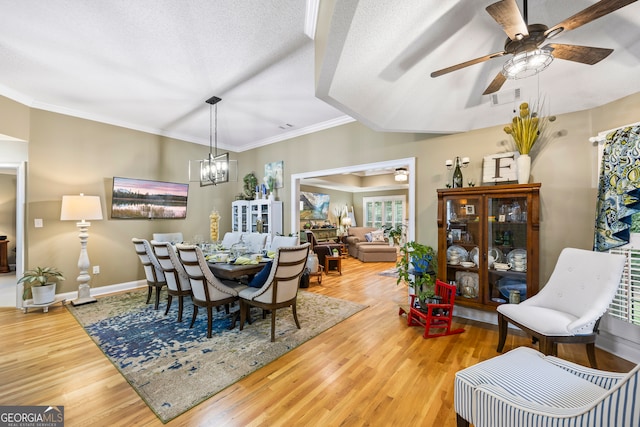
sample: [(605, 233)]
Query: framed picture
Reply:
[(145, 199), (275, 170), (456, 234), (471, 209), (314, 205)]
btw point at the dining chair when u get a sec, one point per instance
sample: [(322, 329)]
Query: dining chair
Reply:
[(168, 237), (569, 307), (281, 287), (207, 290), (178, 283), (280, 241), (152, 269)]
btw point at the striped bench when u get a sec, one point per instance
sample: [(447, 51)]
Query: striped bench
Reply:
[(525, 388)]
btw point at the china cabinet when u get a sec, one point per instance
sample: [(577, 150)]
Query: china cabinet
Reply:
[(265, 216), (240, 216), (488, 242)]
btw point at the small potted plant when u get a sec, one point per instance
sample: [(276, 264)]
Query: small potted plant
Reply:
[(394, 233), (417, 267), (40, 284)]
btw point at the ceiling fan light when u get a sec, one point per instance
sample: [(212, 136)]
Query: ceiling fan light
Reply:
[(402, 175), (527, 64)]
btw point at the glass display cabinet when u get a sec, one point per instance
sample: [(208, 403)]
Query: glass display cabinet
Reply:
[(488, 242)]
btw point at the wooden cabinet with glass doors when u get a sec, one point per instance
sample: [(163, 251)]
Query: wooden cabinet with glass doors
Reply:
[(488, 242)]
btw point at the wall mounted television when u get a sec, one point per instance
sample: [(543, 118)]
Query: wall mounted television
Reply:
[(145, 199), (314, 205)]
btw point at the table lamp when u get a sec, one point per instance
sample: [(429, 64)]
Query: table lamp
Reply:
[(82, 208)]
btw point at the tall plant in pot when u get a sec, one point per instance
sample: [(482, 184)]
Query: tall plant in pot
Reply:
[(40, 284), (417, 267)]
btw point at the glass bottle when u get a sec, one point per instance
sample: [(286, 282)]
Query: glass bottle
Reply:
[(457, 175)]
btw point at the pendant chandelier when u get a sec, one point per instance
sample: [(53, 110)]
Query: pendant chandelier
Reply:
[(215, 168)]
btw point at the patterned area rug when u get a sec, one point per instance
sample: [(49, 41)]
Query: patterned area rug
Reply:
[(174, 368), (392, 272)]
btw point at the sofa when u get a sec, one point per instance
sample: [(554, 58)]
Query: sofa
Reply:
[(369, 251)]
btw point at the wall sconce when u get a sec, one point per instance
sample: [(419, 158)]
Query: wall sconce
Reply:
[(457, 173), (402, 175)]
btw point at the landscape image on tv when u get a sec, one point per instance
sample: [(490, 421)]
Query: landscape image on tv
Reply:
[(314, 205), (146, 199)]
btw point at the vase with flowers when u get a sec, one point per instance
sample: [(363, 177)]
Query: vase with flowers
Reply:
[(526, 128)]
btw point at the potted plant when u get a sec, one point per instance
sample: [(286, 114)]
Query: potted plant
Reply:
[(40, 283), (417, 267), (394, 233)]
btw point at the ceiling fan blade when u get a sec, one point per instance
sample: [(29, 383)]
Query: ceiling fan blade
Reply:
[(466, 64), (584, 54), (507, 14), (496, 84), (591, 13)]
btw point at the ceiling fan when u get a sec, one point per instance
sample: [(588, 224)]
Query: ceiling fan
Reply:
[(524, 41)]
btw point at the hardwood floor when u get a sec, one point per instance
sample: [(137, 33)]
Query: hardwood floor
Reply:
[(368, 370)]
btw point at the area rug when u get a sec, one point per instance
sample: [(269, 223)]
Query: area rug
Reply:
[(392, 272), (174, 368)]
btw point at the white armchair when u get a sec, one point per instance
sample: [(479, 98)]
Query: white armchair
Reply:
[(568, 309), (526, 388)]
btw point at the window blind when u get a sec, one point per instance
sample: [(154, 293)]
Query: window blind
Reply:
[(626, 303)]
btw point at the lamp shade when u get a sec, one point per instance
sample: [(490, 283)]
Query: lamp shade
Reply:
[(80, 208)]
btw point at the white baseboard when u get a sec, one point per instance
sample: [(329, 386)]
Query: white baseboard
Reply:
[(110, 289)]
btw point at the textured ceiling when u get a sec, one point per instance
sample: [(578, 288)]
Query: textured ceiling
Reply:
[(151, 64), (380, 56)]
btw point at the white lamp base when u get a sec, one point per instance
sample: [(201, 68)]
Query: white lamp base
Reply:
[(84, 296)]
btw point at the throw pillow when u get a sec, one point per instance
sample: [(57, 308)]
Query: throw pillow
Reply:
[(368, 237), (260, 279), (377, 236)]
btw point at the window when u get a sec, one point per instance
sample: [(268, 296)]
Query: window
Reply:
[(387, 210), (626, 303)]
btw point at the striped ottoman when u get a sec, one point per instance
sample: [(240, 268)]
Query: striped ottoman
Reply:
[(525, 388)]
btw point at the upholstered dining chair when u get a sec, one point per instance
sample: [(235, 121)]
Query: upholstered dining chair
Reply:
[(152, 269), (281, 287), (207, 290), (569, 307), (523, 387), (168, 237), (280, 241), (178, 283)]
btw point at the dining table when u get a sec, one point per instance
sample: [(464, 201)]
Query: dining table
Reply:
[(229, 271)]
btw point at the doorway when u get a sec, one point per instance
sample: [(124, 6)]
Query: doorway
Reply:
[(408, 163), (9, 292)]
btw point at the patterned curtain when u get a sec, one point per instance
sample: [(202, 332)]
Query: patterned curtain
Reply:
[(619, 188)]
